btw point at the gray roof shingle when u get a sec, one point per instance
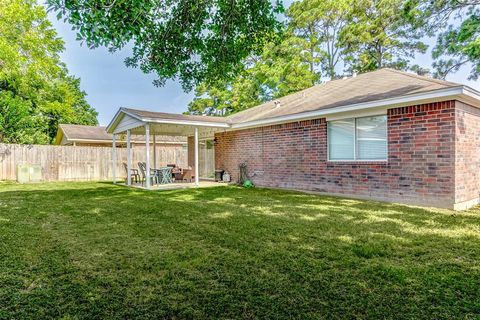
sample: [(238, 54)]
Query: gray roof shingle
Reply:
[(366, 87)]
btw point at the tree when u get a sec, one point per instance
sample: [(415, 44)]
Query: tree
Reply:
[(459, 44), (321, 38), (66, 103), (280, 70), (210, 100), (193, 41), (319, 24), (379, 35), (36, 92)]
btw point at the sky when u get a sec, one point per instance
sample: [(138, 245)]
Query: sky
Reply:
[(109, 84)]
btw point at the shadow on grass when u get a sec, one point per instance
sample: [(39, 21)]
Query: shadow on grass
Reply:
[(95, 250)]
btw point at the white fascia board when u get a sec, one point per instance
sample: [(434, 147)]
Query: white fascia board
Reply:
[(115, 119), (471, 92), (109, 128), (470, 96), (188, 123), (357, 113), (449, 93)]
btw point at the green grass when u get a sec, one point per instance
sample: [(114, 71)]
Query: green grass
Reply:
[(97, 251)]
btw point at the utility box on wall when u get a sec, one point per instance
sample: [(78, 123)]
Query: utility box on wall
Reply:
[(29, 173)]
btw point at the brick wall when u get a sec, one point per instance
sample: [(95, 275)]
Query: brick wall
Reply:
[(467, 153), (191, 153), (420, 167)]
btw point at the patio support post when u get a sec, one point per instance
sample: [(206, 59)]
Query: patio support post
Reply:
[(129, 159), (196, 157), (114, 158), (147, 150), (154, 152)]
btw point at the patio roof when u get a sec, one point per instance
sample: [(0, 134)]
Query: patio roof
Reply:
[(163, 116), (167, 124)]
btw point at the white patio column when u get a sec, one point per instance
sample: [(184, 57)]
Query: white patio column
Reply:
[(196, 157), (114, 158), (154, 152), (147, 154), (129, 158)]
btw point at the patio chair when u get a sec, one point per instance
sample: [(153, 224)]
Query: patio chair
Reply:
[(174, 168), (133, 174), (153, 174), (184, 175)]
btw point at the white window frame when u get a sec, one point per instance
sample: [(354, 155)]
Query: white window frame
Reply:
[(355, 141)]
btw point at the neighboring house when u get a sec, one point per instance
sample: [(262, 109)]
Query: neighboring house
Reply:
[(81, 135), (383, 135)]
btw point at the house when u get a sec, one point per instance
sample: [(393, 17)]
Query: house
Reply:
[(383, 135), (82, 135)]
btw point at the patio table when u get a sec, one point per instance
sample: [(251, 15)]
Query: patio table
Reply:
[(165, 175)]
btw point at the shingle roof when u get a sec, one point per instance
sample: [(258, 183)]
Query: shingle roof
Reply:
[(76, 132), (173, 116), (366, 87), (82, 132)]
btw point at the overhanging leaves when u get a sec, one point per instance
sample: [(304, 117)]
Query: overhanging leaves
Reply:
[(193, 41)]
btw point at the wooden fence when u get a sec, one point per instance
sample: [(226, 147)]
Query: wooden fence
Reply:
[(68, 163)]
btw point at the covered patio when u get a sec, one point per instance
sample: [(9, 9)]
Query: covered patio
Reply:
[(198, 129)]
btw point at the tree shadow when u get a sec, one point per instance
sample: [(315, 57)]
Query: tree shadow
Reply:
[(97, 250)]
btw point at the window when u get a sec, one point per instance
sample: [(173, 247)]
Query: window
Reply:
[(358, 139), (341, 139)]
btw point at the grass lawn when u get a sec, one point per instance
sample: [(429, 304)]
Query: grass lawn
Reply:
[(98, 251)]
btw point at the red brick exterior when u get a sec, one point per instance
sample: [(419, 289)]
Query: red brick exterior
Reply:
[(467, 153), (421, 166), (191, 153)]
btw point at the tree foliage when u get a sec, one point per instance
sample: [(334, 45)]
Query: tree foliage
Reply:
[(36, 92), (193, 41), (379, 35), (319, 24), (323, 39), (459, 46), (457, 24), (280, 70)]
